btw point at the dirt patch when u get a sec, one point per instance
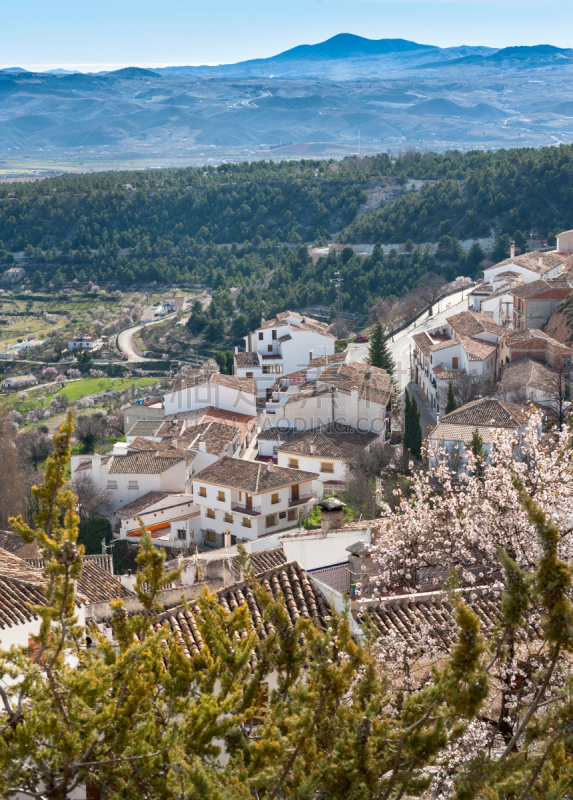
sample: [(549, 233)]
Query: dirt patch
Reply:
[(559, 327)]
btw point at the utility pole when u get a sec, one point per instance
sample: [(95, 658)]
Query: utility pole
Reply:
[(337, 281)]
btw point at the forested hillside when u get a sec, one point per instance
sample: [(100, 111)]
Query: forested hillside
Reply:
[(241, 225)]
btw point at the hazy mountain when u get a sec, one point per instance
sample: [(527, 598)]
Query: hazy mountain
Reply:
[(399, 94)]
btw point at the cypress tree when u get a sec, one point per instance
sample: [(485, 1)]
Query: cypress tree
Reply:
[(451, 403), (379, 352), (407, 441), (416, 445)]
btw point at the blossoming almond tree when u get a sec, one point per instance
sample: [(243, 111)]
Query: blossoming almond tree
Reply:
[(503, 529)]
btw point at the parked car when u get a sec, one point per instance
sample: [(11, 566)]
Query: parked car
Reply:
[(361, 339)]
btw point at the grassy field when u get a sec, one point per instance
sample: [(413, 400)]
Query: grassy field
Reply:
[(85, 387)]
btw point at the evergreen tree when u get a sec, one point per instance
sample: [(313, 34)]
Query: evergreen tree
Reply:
[(451, 403), (412, 427), (379, 353)]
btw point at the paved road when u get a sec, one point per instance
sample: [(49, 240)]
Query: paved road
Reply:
[(125, 338), (403, 342)]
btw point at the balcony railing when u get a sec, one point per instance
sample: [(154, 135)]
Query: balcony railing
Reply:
[(254, 511), (300, 501)]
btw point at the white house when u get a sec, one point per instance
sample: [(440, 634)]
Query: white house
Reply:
[(84, 341), (466, 342), (250, 499), (282, 345), (529, 381), (488, 415), (14, 274), (530, 266), (172, 519), (355, 395), (132, 474), (19, 382), (329, 452), (201, 388)]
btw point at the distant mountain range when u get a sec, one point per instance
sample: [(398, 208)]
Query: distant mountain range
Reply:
[(350, 57), (309, 101)]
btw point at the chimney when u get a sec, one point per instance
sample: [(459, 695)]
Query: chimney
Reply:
[(175, 442), (331, 513), (312, 448), (540, 262), (369, 371), (270, 466), (310, 355), (512, 250), (236, 350), (227, 535), (202, 447)]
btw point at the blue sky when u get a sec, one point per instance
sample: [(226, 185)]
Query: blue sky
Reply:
[(111, 33)]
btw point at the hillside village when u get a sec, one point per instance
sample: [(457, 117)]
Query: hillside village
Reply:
[(268, 458)]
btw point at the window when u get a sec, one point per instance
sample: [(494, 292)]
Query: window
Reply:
[(112, 484), (249, 374), (275, 499), (269, 369), (293, 463), (282, 515), (271, 520), (292, 513), (246, 523), (133, 485), (269, 348), (240, 495), (228, 517), (211, 536), (326, 466), (182, 534), (221, 496), (274, 334), (261, 336), (210, 513), (202, 491)]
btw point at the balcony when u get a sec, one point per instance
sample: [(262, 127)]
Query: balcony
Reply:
[(306, 498), (253, 511)]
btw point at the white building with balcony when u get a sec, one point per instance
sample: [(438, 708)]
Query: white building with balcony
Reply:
[(84, 341), (251, 499), (285, 344)]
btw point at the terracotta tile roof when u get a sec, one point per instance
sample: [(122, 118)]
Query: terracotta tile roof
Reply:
[(531, 334), (144, 462), (182, 423), (12, 543), (470, 323), (540, 288), (163, 448), (488, 411), (443, 432), (476, 349), (530, 261), (422, 620), (20, 584), (186, 381), (288, 581), (88, 464), (305, 324), (97, 583), (526, 373), (427, 345), (217, 437), (265, 560), (275, 433), (145, 427), (444, 373), (246, 359), (341, 443), (250, 476), (333, 358), (139, 505), (372, 383)]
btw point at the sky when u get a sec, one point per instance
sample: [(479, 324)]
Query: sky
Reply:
[(114, 33)]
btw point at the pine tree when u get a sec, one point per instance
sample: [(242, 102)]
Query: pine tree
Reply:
[(451, 403), (379, 353)]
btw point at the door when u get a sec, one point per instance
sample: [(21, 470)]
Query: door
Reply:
[(455, 363), (248, 501), (294, 492)]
